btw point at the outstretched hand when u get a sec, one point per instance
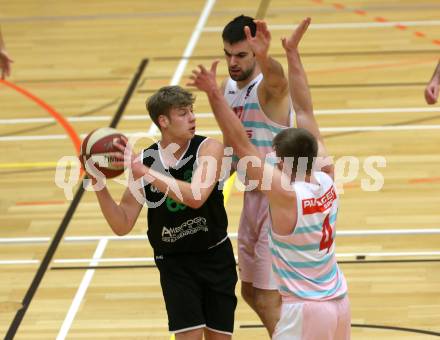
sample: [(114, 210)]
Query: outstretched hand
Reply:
[(431, 93), (203, 79), (5, 64), (291, 44), (261, 42)]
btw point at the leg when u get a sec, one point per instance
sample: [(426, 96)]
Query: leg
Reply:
[(247, 293), (194, 334), (268, 306), (185, 311), (343, 330), (266, 303), (259, 286), (290, 324), (212, 335), (219, 276)]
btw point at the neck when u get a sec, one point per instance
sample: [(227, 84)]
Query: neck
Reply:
[(176, 152), (309, 178)]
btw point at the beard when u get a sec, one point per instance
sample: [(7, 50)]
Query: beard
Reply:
[(244, 75)]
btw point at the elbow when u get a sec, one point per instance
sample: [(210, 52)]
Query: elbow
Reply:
[(121, 230), (195, 204), (196, 200)]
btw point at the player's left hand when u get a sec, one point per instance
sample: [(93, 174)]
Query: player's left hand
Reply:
[(291, 44)]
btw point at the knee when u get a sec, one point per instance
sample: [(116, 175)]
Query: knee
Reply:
[(267, 300), (260, 303), (195, 334)]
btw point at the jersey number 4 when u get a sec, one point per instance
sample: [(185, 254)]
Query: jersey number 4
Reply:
[(327, 235)]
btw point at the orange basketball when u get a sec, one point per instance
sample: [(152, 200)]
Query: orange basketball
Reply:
[(96, 151)]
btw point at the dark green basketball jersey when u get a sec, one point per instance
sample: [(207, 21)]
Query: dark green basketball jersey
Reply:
[(172, 226)]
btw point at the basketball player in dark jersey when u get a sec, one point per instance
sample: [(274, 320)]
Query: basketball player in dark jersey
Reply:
[(187, 221)]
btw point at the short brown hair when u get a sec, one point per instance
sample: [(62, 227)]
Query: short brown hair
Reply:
[(296, 143), (166, 99)]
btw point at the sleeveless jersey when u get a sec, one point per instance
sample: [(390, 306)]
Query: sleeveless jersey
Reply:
[(304, 261), (174, 227), (260, 129)]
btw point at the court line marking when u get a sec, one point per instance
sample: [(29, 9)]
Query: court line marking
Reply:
[(27, 299), (96, 261), (233, 235), (49, 109), (14, 262), (188, 51), (228, 187), (67, 323), (203, 115), (219, 133), (402, 25), (342, 25)]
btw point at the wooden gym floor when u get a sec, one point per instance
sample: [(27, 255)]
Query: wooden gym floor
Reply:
[(368, 63)]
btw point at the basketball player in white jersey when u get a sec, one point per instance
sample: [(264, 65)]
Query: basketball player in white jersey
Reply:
[(257, 91), (303, 208)]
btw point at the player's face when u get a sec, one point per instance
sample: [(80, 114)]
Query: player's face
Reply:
[(241, 60), (182, 122)]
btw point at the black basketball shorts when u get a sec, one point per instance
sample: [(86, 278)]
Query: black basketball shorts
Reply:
[(199, 289)]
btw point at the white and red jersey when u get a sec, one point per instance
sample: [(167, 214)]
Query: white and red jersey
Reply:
[(304, 262), (260, 129)]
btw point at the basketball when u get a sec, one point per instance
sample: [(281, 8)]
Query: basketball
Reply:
[(99, 146)]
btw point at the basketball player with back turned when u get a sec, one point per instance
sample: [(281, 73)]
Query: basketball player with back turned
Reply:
[(303, 208), (187, 220)]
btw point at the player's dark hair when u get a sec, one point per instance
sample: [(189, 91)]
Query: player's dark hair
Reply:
[(166, 99), (234, 30), (296, 143)]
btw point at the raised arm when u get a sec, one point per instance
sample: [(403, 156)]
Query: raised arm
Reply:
[(300, 94), (274, 83), (282, 200), (432, 89), (5, 60)]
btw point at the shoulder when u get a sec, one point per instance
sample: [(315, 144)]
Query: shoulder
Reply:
[(210, 147), (324, 178), (223, 85)]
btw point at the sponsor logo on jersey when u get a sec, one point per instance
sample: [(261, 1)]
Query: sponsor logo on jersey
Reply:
[(321, 204), (248, 91), (189, 227)]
